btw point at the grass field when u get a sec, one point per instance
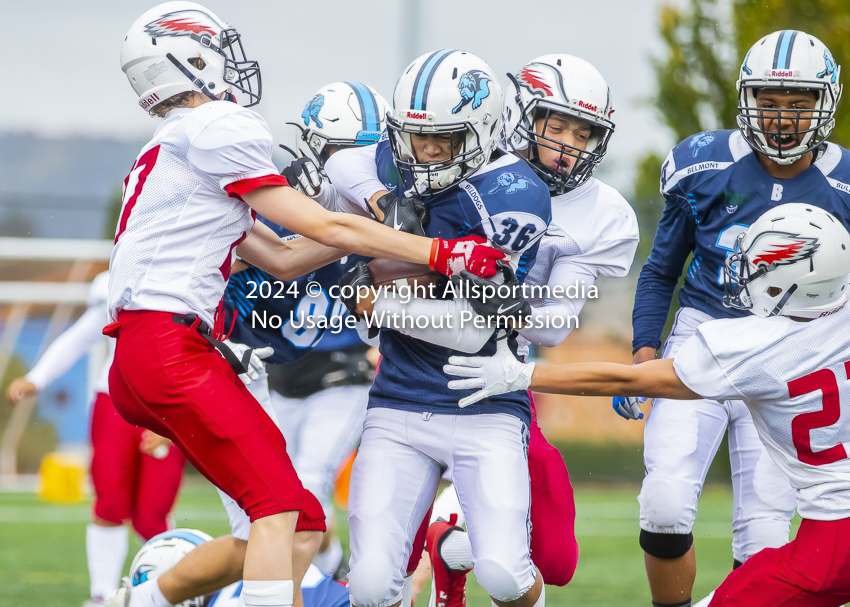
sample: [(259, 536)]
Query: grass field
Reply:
[(43, 561)]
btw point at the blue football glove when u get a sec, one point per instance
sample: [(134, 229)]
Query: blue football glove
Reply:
[(628, 407)]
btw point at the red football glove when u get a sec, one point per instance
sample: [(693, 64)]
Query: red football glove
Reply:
[(470, 253)]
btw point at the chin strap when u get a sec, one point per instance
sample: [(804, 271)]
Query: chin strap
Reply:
[(784, 300), (196, 81)]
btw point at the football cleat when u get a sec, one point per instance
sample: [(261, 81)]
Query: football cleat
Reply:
[(449, 584)]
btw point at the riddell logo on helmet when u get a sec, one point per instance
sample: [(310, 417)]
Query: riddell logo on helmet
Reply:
[(781, 73), (416, 115), (149, 101), (587, 106)]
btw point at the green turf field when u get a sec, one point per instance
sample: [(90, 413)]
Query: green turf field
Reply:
[(42, 547)]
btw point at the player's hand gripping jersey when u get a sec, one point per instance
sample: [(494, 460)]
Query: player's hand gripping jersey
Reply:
[(253, 298), (714, 188), (504, 202), (794, 378), (181, 218)]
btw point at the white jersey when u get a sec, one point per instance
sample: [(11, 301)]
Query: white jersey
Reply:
[(795, 379), (181, 216), (594, 232), (78, 339)]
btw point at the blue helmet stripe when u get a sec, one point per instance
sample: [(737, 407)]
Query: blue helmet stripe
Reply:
[(423, 78), (782, 55), (368, 107), (183, 535)]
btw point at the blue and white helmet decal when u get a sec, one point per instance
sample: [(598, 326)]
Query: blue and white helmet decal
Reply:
[(474, 88), (511, 183), (312, 109), (342, 114)]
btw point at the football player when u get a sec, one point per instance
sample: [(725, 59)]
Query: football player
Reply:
[(189, 202), (593, 233), (786, 361), (134, 472), (439, 138), (715, 185)]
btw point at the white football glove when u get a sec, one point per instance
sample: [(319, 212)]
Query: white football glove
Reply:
[(495, 374), (255, 364), (628, 407), (303, 175)]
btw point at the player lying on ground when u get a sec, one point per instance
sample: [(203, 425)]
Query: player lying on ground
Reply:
[(715, 184), (789, 362), (189, 201), (134, 473)]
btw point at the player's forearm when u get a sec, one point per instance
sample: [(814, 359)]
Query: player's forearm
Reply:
[(68, 348), (297, 213), (285, 259), (372, 239), (654, 379)]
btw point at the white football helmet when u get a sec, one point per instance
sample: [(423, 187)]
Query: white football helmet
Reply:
[(785, 60), (343, 114), (793, 261), (182, 46), (560, 84), (444, 92), (162, 552)]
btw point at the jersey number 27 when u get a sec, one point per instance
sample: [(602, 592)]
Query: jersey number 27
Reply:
[(802, 425)]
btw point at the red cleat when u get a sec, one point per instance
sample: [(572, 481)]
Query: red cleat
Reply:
[(449, 584)]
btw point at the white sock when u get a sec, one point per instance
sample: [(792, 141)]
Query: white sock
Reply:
[(407, 592), (456, 550), (106, 550), (275, 593), (328, 561), (148, 595)]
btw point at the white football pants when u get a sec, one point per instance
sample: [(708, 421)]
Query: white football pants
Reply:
[(402, 456), (320, 431)]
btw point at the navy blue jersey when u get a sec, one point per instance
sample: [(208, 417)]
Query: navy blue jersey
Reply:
[(504, 202), (317, 590), (714, 188), (264, 308)]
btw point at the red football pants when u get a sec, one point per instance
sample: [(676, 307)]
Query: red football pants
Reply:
[(554, 548), (811, 571), (128, 484), (166, 377)]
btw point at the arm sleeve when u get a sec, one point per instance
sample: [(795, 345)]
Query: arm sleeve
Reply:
[(697, 367), (544, 330), (330, 198), (354, 173), (234, 148), (674, 241), (68, 348), (461, 336)]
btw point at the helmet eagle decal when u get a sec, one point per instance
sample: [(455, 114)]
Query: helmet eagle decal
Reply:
[(781, 248), (180, 23)]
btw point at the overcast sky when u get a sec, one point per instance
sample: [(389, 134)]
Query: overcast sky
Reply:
[(64, 77)]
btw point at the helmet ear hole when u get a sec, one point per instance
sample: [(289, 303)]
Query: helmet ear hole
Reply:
[(773, 291), (197, 62)]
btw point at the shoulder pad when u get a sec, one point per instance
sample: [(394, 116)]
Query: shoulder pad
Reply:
[(701, 156), (834, 163)]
